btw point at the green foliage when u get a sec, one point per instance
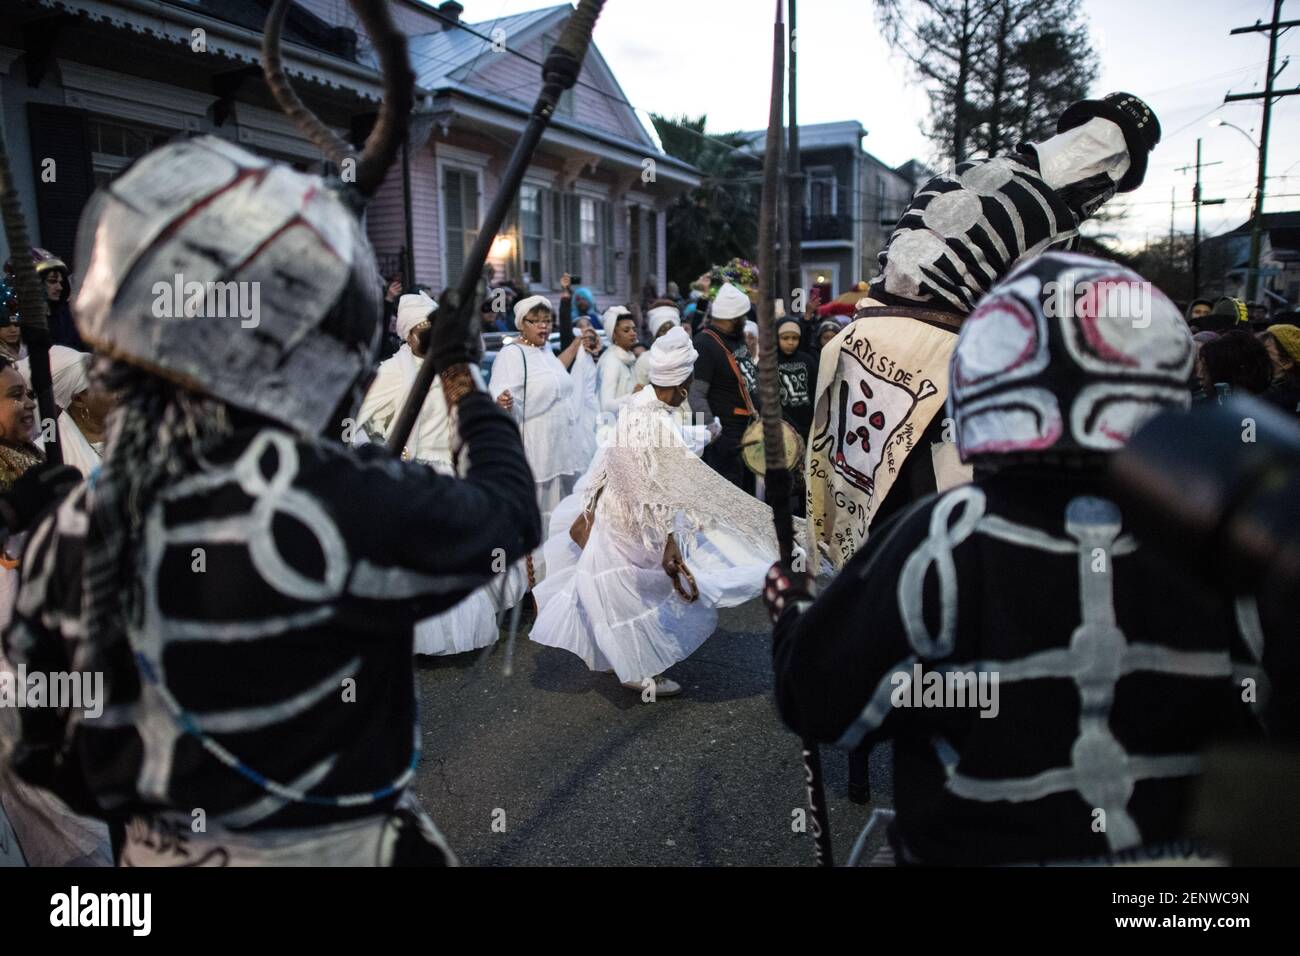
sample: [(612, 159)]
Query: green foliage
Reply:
[(719, 220)]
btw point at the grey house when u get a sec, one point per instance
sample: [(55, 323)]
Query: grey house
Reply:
[(851, 201)]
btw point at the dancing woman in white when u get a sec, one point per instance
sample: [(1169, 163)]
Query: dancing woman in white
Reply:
[(545, 393), (472, 623), (668, 540)]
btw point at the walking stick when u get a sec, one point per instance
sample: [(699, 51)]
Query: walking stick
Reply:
[(559, 73), (32, 307), (769, 390)]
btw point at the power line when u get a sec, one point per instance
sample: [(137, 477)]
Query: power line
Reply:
[(538, 63)]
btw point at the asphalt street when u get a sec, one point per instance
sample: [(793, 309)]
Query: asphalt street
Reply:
[(555, 765)]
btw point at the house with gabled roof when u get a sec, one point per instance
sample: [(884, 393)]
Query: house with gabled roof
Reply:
[(88, 85), (851, 202), (1226, 261)]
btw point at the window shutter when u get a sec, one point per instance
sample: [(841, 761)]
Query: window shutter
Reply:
[(59, 133), (608, 252), (454, 211), (557, 236), (469, 203), (573, 235)]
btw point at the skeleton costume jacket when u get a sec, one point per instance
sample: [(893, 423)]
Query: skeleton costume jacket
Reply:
[(883, 379), (247, 587), (1048, 682), (278, 611)]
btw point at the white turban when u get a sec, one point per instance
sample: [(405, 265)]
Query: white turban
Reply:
[(524, 306), (612, 315), (68, 373), (751, 328), (730, 303), (411, 311), (1098, 146), (672, 358), (659, 315)]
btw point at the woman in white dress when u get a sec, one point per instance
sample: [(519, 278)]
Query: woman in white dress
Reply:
[(545, 393), (668, 541), (472, 623), (83, 407)]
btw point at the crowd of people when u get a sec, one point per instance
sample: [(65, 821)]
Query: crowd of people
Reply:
[(953, 427)]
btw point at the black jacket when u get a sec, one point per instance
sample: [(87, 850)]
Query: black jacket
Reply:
[(1113, 671), (291, 646)]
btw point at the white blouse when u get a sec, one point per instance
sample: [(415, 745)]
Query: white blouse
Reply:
[(431, 439), (548, 406)]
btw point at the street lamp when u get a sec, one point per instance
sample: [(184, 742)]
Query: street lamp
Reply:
[(1220, 121), (1256, 212)]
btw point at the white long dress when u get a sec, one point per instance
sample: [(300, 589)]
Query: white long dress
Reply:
[(610, 602), (472, 623), (36, 827), (549, 407)]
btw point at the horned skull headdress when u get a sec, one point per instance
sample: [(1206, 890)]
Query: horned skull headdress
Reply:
[(195, 226)]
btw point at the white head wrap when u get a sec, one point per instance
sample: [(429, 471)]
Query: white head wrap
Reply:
[(68, 373), (1097, 146), (730, 303), (672, 358), (524, 306), (612, 315), (657, 316), (751, 328), (411, 311)]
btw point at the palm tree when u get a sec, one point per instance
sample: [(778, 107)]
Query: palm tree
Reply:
[(719, 220)]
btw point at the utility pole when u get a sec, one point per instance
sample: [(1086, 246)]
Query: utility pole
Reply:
[(794, 201), (1198, 202), (1257, 216), (1173, 195)]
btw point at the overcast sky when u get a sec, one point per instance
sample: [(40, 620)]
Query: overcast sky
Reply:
[(713, 56)]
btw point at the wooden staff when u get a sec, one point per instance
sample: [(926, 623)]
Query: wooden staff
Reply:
[(559, 73), (32, 307), (769, 391)]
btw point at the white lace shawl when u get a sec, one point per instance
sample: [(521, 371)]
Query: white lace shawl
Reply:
[(654, 484)]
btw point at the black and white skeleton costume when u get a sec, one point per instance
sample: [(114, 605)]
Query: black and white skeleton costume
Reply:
[(248, 587), (1048, 683), (882, 381)]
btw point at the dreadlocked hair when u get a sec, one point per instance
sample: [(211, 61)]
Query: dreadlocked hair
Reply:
[(158, 433)]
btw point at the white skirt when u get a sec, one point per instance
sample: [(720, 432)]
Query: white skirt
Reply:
[(611, 603), (472, 623)]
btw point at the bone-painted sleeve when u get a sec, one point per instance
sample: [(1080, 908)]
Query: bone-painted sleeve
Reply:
[(836, 662), (431, 539)]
